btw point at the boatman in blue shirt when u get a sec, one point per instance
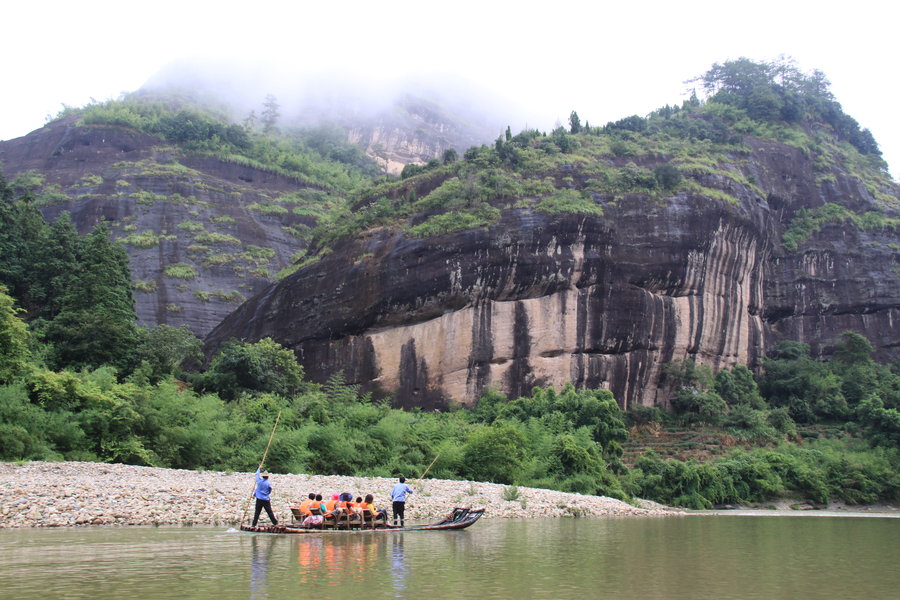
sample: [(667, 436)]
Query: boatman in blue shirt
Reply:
[(398, 499), (263, 489)]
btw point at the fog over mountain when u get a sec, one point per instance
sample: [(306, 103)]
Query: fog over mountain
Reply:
[(607, 61), (312, 96)]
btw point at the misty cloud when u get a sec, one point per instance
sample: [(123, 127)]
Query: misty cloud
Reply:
[(311, 96)]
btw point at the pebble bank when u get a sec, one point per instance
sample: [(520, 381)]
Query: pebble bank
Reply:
[(44, 494)]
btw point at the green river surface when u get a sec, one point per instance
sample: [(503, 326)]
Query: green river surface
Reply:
[(694, 557)]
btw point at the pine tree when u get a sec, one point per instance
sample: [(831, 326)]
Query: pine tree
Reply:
[(14, 353), (54, 263), (22, 235), (97, 322), (574, 123), (270, 114)]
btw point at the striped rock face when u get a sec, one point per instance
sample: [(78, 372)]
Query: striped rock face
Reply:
[(603, 302)]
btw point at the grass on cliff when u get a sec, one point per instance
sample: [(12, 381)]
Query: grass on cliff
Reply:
[(699, 149), (318, 157), (808, 222)]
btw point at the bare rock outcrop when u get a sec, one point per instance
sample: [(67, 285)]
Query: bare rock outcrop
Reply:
[(603, 302), (413, 131)]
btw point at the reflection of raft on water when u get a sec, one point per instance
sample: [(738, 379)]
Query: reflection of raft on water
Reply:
[(460, 518)]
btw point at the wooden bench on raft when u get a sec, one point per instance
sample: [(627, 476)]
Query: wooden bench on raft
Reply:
[(366, 520)]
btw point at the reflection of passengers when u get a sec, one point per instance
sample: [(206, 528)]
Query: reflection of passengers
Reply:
[(309, 558)]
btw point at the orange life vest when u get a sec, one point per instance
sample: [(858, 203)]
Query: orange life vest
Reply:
[(304, 506)]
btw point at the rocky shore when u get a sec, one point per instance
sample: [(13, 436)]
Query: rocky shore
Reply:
[(44, 494)]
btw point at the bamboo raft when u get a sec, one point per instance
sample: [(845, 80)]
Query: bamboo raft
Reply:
[(460, 518)]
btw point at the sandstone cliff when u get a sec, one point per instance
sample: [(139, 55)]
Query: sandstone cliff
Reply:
[(202, 234), (414, 131), (603, 301)]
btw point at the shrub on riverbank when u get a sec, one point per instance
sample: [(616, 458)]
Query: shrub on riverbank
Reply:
[(822, 471)]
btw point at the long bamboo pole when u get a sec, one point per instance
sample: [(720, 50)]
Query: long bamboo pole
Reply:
[(261, 463), (429, 466), (272, 435)]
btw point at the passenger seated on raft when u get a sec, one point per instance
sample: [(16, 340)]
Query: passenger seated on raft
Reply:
[(351, 507), (304, 506), (369, 513), (316, 513), (318, 506), (345, 511), (332, 510), (332, 506)]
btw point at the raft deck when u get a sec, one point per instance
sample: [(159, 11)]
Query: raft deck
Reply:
[(460, 518)]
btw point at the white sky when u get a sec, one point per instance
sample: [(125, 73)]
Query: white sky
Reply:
[(607, 60)]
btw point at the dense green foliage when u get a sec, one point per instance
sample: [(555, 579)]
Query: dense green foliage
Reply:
[(819, 471), (265, 366), (37, 261), (77, 290), (779, 92), (96, 324), (854, 396), (808, 222), (318, 156), (14, 351)]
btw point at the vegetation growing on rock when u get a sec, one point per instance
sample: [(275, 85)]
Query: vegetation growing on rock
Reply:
[(701, 148)]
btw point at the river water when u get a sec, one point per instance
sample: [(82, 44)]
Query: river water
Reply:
[(692, 557)]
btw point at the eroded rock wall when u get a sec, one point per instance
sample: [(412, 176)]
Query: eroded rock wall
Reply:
[(604, 302), (535, 300)]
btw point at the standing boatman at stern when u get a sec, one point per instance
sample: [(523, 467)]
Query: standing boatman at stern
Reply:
[(263, 489), (398, 499)]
